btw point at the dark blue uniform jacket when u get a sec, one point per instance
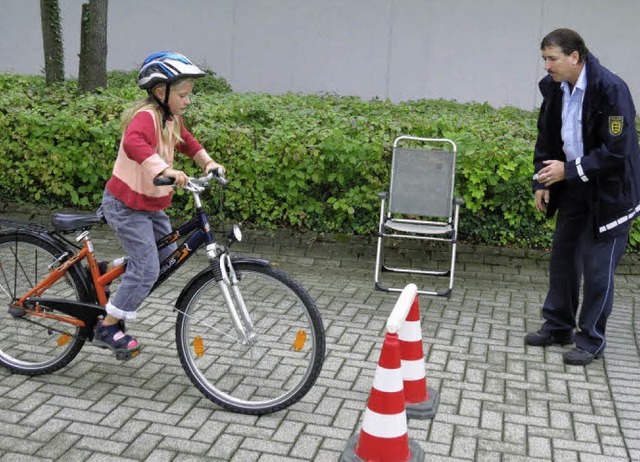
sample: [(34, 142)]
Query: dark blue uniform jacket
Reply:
[(610, 167)]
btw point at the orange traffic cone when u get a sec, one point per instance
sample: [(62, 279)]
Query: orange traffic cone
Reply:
[(421, 401), (383, 437)]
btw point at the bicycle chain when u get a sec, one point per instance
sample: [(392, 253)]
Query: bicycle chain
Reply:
[(53, 329)]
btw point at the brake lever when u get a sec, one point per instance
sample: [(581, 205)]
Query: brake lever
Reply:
[(218, 173), (193, 185)]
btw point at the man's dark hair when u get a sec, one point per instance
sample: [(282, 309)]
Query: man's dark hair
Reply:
[(568, 40)]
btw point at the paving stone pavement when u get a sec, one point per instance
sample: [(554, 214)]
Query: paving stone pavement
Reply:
[(499, 400)]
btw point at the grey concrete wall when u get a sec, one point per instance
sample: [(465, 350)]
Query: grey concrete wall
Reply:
[(468, 50)]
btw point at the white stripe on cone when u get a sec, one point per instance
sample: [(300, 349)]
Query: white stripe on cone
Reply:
[(383, 425), (411, 331), (388, 380), (413, 370)]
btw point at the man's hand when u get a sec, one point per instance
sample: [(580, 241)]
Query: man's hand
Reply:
[(542, 199), (551, 173)]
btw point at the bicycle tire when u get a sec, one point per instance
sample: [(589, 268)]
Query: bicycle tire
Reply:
[(260, 378), (26, 347)]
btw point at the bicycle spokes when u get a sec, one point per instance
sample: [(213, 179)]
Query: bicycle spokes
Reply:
[(274, 344)]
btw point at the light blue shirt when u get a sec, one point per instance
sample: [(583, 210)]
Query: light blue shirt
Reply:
[(572, 116)]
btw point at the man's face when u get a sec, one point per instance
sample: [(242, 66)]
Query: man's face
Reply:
[(559, 66)]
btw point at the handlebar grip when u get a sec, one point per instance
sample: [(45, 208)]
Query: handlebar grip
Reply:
[(219, 174), (163, 181)]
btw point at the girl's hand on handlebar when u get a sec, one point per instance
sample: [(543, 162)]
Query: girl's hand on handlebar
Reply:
[(180, 178), (213, 165)]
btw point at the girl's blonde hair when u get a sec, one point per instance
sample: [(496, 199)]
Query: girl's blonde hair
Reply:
[(149, 103)]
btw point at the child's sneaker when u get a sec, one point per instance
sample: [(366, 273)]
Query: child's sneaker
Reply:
[(113, 338)]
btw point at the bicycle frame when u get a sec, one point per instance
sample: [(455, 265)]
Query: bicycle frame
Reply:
[(197, 232), (82, 314), (234, 307)]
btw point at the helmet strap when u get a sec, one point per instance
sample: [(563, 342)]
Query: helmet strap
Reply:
[(164, 105)]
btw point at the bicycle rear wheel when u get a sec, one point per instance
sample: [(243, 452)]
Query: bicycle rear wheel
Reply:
[(273, 371), (29, 344)]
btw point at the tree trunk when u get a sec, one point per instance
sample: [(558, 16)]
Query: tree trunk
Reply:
[(52, 41), (92, 73)]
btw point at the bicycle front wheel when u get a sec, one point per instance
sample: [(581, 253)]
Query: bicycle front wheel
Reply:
[(277, 366), (31, 344)]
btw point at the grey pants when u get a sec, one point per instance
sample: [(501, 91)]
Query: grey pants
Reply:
[(137, 231)]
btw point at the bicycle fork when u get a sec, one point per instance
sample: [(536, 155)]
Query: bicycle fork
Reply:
[(227, 280)]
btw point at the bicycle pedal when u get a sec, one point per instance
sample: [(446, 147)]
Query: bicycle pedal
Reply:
[(126, 355), (17, 312)]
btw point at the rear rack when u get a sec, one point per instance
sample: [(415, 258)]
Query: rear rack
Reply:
[(7, 224)]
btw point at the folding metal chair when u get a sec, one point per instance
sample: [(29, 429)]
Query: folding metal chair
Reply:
[(420, 205)]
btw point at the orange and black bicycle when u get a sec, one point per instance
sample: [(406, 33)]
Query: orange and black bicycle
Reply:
[(249, 336)]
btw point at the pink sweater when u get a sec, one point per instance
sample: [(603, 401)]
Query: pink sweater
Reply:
[(142, 156)]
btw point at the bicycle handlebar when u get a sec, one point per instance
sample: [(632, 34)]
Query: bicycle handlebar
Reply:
[(197, 184)]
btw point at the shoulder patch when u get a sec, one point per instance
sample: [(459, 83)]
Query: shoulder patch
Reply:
[(615, 125)]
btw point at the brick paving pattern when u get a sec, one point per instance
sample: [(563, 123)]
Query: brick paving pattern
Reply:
[(499, 400)]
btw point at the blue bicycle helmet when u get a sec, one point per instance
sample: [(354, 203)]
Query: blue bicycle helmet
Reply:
[(166, 67)]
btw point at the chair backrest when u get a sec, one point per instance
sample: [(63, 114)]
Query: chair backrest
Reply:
[(422, 182)]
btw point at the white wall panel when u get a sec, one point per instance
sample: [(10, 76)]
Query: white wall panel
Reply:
[(467, 50)]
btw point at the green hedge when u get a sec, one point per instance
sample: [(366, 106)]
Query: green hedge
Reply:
[(308, 162)]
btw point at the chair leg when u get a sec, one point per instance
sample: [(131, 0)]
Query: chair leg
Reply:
[(454, 244), (380, 247), (453, 265), (381, 267), (379, 263)]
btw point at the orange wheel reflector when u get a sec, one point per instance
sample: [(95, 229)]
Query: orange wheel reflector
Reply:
[(63, 340), (198, 346), (301, 339)]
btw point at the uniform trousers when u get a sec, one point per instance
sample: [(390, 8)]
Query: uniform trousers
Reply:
[(578, 258)]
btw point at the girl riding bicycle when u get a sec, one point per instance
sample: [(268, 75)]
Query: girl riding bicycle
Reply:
[(132, 205)]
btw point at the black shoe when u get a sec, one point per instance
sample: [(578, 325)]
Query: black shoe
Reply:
[(580, 357), (548, 337), (112, 337)]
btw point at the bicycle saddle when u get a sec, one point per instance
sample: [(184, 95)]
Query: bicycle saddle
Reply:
[(68, 222)]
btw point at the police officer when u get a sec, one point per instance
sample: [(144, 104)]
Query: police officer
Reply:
[(587, 168)]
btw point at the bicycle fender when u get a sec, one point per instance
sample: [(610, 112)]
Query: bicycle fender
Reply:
[(255, 261), (206, 273), (54, 241)]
